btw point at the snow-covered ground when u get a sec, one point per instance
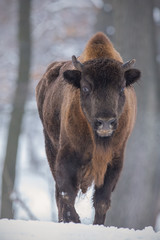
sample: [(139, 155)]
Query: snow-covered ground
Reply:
[(36, 230)]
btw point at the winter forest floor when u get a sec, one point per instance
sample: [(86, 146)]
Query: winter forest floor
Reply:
[(33, 230)]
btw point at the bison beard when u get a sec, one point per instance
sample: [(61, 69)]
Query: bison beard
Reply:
[(71, 98), (101, 158)]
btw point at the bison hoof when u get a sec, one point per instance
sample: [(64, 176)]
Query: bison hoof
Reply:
[(70, 216)]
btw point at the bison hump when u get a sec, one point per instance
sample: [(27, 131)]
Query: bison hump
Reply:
[(99, 46)]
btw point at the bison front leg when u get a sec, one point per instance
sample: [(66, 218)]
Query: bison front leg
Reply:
[(102, 194), (66, 185)]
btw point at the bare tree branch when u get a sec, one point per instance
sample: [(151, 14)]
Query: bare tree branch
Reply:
[(15, 197)]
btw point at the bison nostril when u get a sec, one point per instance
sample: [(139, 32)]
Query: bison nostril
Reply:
[(98, 123), (112, 123)]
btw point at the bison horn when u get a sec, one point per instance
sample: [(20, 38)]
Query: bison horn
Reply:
[(76, 63), (128, 64)]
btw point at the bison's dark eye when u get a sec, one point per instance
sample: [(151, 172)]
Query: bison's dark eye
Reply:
[(122, 90), (85, 89)]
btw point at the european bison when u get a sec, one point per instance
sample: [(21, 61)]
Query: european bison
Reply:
[(88, 109)]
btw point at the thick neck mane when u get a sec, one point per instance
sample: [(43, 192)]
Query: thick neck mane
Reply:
[(99, 46)]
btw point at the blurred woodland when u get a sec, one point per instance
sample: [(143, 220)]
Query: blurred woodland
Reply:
[(35, 33)]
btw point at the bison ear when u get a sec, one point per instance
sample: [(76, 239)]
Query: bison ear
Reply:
[(73, 77), (131, 76)]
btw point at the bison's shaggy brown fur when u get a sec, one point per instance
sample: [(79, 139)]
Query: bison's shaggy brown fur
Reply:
[(88, 111)]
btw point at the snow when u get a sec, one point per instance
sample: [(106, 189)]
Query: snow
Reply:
[(36, 230), (84, 206)]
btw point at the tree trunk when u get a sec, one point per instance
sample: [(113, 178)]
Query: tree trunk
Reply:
[(157, 30), (19, 100), (134, 203)]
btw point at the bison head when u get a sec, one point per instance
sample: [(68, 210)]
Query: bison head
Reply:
[(102, 83)]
